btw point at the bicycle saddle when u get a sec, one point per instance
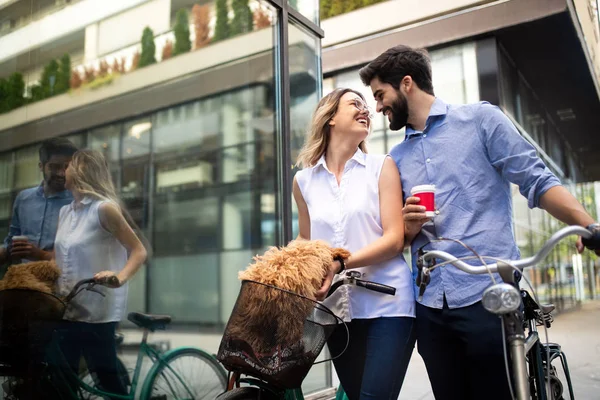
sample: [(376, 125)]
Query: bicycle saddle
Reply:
[(149, 321)]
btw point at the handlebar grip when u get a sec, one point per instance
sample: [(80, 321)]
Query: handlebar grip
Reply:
[(377, 287), (593, 243)]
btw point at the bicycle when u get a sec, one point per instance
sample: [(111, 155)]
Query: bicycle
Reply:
[(47, 373), (278, 373), (534, 375)]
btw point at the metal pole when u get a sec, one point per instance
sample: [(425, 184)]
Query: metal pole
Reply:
[(517, 353)]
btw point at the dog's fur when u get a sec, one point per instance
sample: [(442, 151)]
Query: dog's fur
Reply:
[(38, 275), (267, 318)]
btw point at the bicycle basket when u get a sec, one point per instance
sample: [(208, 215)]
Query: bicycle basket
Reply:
[(274, 334), (27, 322)]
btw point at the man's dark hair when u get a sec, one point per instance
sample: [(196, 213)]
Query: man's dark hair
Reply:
[(56, 147), (397, 62)]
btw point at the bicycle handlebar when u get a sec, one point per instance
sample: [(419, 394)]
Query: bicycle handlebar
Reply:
[(521, 264), (91, 282), (353, 278)]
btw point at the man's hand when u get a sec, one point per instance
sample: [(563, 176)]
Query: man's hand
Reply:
[(327, 280), (414, 218), (27, 250), (593, 243)]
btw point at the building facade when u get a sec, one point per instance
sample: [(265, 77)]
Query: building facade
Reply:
[(201, 137)]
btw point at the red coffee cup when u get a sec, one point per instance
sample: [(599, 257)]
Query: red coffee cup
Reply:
[(426, 194)]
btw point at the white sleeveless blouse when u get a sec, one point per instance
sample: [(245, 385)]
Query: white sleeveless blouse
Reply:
[(348, 216), (83, 248)]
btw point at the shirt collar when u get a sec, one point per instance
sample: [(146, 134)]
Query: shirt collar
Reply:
[(65, 194), (358, 156), (438, 108), (81, 204)]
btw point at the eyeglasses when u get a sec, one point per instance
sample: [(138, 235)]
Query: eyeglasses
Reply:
[(362, 106)]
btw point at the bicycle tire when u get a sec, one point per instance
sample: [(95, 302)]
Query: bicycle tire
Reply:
[(165, 370), (241, 393), (87, 378)]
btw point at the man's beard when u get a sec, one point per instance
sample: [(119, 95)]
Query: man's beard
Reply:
[(55, 183), (399, 112)]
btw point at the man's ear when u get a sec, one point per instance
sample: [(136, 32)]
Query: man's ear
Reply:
[(41, 166), (407, 83)]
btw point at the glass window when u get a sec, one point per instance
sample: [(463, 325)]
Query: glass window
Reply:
[(106, 139), (304, 95), (27, 169), (454, 74), (186, 287), (190, 127), (308, 8)]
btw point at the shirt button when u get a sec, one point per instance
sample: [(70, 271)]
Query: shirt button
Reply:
[(428, 160), (425, 135)]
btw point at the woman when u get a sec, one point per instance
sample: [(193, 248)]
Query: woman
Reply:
[(95, 239), (354, 200)]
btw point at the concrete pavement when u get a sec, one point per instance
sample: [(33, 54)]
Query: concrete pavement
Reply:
[(577, 331)]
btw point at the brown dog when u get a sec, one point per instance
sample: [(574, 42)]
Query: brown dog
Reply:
[(268, 318), (38, 275)]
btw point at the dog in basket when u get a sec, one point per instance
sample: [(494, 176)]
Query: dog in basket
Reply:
[(37, 275), (267, 318)]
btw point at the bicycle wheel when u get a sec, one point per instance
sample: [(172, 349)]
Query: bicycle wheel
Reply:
[(90, 380), (185, 373), (241, 393)]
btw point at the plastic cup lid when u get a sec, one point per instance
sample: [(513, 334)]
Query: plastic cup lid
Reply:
[(422, 188)]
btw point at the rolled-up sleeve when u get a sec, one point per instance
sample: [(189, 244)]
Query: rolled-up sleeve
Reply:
[(514, 157)]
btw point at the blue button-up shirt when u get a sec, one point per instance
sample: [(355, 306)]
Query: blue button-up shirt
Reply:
[(36, 216), (470, 153)]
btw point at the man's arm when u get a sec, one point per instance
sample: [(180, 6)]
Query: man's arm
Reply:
[(517, 161)]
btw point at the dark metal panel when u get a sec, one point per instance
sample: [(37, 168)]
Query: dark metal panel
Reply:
[(284, 203), (487, 70)]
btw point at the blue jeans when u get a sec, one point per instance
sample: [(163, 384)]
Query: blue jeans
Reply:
[(375, 362)]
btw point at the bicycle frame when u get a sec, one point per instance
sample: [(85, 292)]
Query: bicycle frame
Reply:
[(145, 350)]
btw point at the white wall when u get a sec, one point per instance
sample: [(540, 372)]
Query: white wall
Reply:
[(126, 28), (387, 15), (70, 19)]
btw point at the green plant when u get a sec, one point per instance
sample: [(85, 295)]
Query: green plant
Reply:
[(3, 95), (337, 7), (242, 21), (15, 89), (48, 81), (324, 7), (148, 48), (64, 74), (182, 33), (222, 30)]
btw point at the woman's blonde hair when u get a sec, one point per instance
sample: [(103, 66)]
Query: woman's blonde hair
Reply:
[(91, 177), (319, 131)]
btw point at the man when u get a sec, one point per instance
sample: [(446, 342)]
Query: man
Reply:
[(35, 211), (470, 153)]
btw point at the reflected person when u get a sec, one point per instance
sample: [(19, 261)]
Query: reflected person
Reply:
[(95, 238), (35, 210)]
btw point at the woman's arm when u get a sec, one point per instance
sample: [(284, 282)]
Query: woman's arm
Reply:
[(303, 216), (390, 206), (113, 221)]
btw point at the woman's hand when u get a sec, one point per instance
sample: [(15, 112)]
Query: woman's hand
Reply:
[(109, 279), (327, 280)]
